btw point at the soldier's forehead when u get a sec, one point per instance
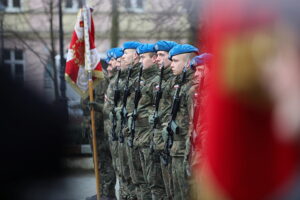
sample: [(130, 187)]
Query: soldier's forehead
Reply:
[(163, 52)]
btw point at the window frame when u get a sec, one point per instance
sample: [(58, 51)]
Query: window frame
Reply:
[(11, 9), (134, 6), (13, 62), (74, 9)]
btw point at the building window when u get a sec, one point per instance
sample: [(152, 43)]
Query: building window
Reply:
[(72, 6), (69, 3), (14, 64), (11, 5), (134, 5)]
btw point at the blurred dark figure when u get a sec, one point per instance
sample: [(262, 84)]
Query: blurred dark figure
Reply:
[(32, 134)]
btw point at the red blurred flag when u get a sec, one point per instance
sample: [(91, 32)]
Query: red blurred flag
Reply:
[(244, 158), (76, 72)]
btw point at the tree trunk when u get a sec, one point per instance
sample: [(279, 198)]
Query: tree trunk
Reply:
[(114, 35), (52, 52), (192, 7)]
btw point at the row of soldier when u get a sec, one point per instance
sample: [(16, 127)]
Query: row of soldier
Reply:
[(144, 110)]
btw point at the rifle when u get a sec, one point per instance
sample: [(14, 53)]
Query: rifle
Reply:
[(172, 127), (137, 98), (124, 110), (157, 100), (158, 97), (116, 100)]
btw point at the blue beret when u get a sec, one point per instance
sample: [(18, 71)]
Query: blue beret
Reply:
[(164, 45), (145, 48), (182, 48), (130, 45), (118, 52), (107, 59), (109, 54), (200, 60)]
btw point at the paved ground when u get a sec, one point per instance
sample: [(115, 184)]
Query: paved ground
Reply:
[(76, 185)]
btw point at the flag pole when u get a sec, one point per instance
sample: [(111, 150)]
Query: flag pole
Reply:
[(91, 94)]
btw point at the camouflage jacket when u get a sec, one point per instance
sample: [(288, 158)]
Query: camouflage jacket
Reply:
[(145, 107), (132, 85), (109, 96), (99, 93), (165, 105), (185, 113), (130, 98)]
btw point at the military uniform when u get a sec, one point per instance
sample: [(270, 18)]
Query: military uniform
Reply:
[(180, 151), (133, 156), (165, 103), (156, 139), (150, 161), (106, 172), (123, 164)]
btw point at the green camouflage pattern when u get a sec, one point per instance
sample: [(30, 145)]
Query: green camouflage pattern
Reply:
[(106, 172), (127, 178)]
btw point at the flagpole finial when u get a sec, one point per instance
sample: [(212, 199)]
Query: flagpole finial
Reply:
[(90, 3)]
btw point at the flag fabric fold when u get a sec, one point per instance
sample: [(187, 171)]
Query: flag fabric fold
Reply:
[(76, 74)]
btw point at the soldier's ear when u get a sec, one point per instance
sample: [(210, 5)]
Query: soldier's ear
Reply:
[(136, 56)]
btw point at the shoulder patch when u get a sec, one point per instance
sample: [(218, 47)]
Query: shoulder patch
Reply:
[(176, 86)]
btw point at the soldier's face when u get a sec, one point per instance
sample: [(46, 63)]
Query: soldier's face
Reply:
[(128, 56), (113, 62), (199, 71), (178, 63), (162, 57), (120, 64), (147, 60)]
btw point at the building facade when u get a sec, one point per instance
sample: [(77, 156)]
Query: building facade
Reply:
[(31, 33)]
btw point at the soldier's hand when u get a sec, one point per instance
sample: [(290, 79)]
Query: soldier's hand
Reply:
[(118, 113), (91, 105), (187, 167), (126, 132), (151, 119), (165, 134), (111, 116), (129, 122)]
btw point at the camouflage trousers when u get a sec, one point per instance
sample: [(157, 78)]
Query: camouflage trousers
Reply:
[(127, 189), (179, 178), (167, 178), (158, 146), (113, 146), (106, 171), (136, 172), (153, 174)]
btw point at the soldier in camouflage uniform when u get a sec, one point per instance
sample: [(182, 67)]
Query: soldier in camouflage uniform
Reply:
[(180, 56), (162, 48), (123, 131), (130, 58), (106, 172), (141, 143), (108, 106)]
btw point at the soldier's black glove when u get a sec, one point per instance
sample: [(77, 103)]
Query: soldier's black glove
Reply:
[(96, 106)]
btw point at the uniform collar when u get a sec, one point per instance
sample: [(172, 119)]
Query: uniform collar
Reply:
[(150, 72), (189, 76), (168, 74), (135, 70)]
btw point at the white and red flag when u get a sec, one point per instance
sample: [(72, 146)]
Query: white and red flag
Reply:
[(76, 69)]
